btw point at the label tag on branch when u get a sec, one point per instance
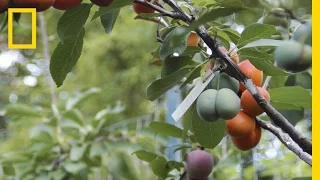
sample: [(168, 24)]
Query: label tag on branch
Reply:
[(192, 96)]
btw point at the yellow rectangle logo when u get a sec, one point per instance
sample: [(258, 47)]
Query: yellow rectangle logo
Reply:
[(33, 44)]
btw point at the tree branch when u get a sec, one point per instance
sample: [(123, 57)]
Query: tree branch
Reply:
[(286, 140), (46, 54), (225, 64)]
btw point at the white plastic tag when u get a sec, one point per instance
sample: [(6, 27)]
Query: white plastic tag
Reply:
[(192, 96)]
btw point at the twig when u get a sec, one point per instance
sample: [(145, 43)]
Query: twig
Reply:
[(46, 54), (183, 175), (266, 82), (286, 140)]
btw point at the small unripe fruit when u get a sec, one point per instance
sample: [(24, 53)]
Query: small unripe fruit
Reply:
[(248, 142), (250, 105), (193, 39), (223, 80), (293, 56), (66, 4), (198, 164), (140, 8), (102, 3), (4, 5), (303, 33), (241, 125), (40, 5), (252, 72), (277, 17), (206, 105), (227, 103)]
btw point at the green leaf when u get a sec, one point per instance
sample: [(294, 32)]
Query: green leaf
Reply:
[(293, 95), (175, 165), (22, 110), (65, 57), (302, 178), (16, 17), (166, 129), (284, 106), (173, 64), (81, 97), (159, 167), (77, 152), (208, 134), (109, 19), (262, 61), (14, 157), (277, 81), (255, 32), (72, 21), (74, 115), (293, 116), (74, 167), (233, 34), (194, 73), (263, 43), (227, 3), (213, 15), (8, 169), (175, 42), (160, 86), (145, 155), (191, 51), (4, 23), (116, 5), (41, 133)]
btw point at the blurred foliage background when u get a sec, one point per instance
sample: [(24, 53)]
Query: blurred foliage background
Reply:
[(111, 79)]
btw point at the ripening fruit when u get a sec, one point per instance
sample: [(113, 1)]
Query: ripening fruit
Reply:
[(193, 39), (139, 8), (66, 4), (277, 17), (241, 125), (198, 164), (223, 80), (248, 142), (40, 5), (102, 3), (4, 5), (250, 105), (303, 34), (227, 103), (206, 105), (233, 54), (293, 56), (252, 72)]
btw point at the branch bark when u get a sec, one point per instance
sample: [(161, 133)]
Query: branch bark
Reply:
[(228, 66), (286, 140)]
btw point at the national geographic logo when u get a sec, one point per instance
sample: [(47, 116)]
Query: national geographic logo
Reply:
[(33, 44)]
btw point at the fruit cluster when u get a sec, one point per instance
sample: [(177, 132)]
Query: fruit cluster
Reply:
[(42, 5), (220, 101)]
